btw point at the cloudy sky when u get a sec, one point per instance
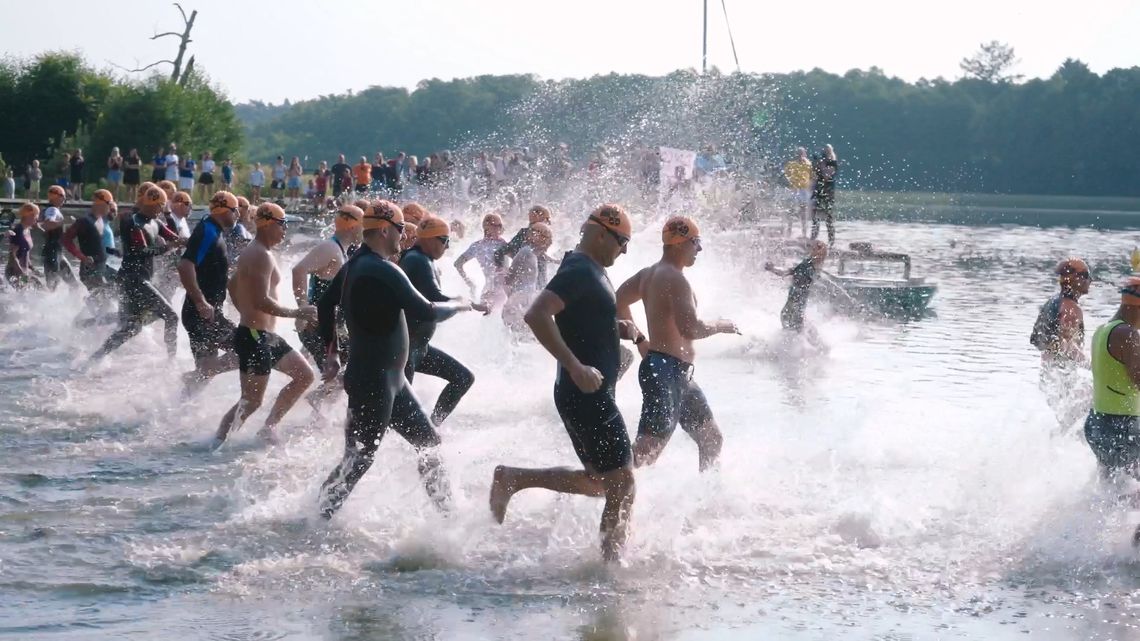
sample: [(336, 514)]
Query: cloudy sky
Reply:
[(297, 49)]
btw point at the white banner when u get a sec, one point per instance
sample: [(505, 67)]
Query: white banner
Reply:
[(677, 184)]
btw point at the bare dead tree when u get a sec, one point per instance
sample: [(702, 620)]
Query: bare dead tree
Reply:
[(177, 74)]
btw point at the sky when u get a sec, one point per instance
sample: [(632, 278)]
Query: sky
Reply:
[(294, 49)]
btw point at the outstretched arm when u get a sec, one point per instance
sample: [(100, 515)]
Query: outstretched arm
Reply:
[(685, 310)]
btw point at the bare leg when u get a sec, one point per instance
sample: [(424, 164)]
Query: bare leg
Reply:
[(647, 448), (509, 480), (709, 442), (252, 393), (298, 369), (620, 491), (205, 369)]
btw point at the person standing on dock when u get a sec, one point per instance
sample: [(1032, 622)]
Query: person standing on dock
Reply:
[(798, 173), (824, 171), (1059, 334)]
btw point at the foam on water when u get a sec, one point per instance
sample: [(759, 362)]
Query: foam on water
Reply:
[(911, 477)]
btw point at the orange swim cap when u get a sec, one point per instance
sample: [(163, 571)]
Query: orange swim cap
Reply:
[(167, 186), (408, 236), (415, 212), (348, 217), (57, 190), (184, 198), (223, 202), (102, 195), (679, 229), (538, 214), (613, 218), (268, 214), (1130, 292), (540, 230), (154, 197), (381, 212), (243, 202), (29, 209), (142, 190), (432, 227), (492, 219)]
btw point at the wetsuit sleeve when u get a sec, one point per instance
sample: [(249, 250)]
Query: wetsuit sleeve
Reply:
[(510, 249), (167, 233), (194, 246), (326, 309), (415, 304), (419, 271)]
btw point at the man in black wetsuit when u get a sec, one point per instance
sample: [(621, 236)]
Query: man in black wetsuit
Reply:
[(575, 319), (418, 263), (84, 240), (803, 275), (139, 299), (375, 295), (537, 214), (204, 271), (51, 223)]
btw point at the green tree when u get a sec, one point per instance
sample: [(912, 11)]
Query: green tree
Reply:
[(991, 63)]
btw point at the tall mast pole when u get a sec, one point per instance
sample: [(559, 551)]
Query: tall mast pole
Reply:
[(705, 40)]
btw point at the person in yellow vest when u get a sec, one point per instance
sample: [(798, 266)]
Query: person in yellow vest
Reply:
[(798, 172), (1112, 428)]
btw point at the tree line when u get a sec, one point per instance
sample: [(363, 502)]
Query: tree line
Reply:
[(1069, 133)]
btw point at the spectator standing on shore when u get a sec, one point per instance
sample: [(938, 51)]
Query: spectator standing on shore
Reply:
[(277, 187), (172, 165), (341, 177), (34, 176), (132, 175), (114, 172), (63, 173), (321, 184), (256, 182), (206, 178), (362, 172), (294, 181), (158, 166), (228, 175), (77, 165), (9, 184)]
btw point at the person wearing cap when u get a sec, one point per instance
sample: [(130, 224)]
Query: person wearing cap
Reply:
[(139, 301), (537, 214), (432, 240), (311, 278), (803, 276), (670, 396), (520, 284), (180, 206), (376, 299), (50, 223), (483, 251), (203, 270), (575, 319), (1059, 334), (407, 239), (18, 271), (1114, 420), (84, 240), (414, 213), (259, 349), (241, 234)]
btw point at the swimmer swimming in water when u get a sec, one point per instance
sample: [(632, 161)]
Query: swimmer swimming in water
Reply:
[(803, 276), (252, 289), (669, 394)]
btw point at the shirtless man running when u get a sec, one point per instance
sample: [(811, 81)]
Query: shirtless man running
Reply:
[(311, 279), (253, 290), (670, 396)]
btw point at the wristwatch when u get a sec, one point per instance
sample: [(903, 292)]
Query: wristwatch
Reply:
[(640, 339)]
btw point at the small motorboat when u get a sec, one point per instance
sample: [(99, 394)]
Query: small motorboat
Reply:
[(873, 280)]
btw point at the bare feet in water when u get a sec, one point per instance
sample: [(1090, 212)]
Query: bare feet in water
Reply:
[(501, 492)]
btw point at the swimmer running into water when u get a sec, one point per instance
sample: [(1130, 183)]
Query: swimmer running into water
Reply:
[(803, 276), (669, 394), (1059, 333), (252, 289), (311, 279), (376, 297), (575, 319)]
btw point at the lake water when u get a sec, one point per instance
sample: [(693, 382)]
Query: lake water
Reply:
[(912, 484)]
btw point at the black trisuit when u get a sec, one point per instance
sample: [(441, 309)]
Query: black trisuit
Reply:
[(374, 295)]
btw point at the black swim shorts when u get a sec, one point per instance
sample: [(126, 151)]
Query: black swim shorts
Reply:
[(669, 397), (1115, 440), (207, 337), (258, 351), (595, 426)]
